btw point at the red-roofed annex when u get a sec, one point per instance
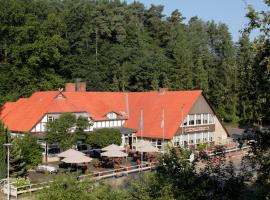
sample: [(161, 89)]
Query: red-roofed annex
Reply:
[(188, 118)]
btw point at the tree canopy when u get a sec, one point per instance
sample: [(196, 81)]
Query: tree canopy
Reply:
[(66, 130), (103, 137)]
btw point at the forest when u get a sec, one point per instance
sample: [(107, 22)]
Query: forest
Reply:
[(116, 46)]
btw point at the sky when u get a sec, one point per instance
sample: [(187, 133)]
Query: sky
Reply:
[(230, 12)]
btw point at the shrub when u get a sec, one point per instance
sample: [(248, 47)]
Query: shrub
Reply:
[(20, 182)]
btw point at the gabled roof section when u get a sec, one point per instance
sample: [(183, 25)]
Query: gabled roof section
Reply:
[(28, 113), (176, 105)]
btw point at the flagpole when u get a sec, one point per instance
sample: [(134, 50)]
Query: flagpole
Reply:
[(141, 126), (163, 124)]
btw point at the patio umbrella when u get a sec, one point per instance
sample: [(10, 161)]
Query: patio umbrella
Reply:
[(114, 154), (113, 147), (145, 146), (77, 159), (70, 153)]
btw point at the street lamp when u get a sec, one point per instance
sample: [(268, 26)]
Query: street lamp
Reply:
[(8, 184)]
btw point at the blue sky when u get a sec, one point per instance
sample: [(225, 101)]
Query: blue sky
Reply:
[(231, 12)]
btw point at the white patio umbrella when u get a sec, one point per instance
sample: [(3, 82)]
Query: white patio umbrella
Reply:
[(114, 154), (70, 153), (113, 147), (77, 159), (145, 146)]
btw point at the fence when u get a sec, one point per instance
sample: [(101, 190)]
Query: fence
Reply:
[(232, 149), (124, 170)]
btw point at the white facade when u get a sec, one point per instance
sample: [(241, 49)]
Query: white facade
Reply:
[(193, 138), (41, 126), (201, 125)]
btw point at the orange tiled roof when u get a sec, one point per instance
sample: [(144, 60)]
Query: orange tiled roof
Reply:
[(25, 113)]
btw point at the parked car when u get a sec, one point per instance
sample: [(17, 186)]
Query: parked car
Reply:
[(47, 168)]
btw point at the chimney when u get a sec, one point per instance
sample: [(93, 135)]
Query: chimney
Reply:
[(162, 90), (70, 87), (81, 87)]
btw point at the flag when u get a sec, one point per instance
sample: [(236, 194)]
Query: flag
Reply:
[(162, 119), (141, 120)]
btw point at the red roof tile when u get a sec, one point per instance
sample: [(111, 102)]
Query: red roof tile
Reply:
[(152, 104), (25, 113)]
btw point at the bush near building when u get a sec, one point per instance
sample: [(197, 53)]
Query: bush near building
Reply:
[(103, 137)]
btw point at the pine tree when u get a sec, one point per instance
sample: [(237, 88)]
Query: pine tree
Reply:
[(155, 82), (17, 164), (245, 61)]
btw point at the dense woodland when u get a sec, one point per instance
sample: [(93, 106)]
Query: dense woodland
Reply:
[(115, 46)]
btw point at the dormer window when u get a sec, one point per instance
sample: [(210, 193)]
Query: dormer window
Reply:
[(111, 115)]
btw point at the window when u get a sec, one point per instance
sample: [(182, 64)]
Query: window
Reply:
[(191, 141), (211, 118), (50, 119), (198, 141), (205, 118), (112, 115), (159, 144), (198, 119), (191, 120)]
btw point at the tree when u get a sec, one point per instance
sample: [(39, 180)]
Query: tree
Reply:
[(82, 123), (245, 59), (17, 163), (103, 137), (30, 150), (177, 178), (3, 140), (149, 187), (178, 172), (61, 131), (256, 163), (259, 20)]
